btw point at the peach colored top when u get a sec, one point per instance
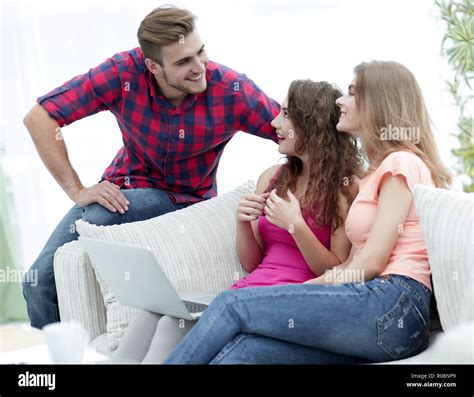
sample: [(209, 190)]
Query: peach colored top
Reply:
[(409, 256)]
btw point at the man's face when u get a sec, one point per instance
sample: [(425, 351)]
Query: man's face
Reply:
[(184, 66)]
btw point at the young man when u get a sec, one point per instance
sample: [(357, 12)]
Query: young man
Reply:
[(176, 111)]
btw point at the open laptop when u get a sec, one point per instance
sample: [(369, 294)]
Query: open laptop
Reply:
[(136, 279)]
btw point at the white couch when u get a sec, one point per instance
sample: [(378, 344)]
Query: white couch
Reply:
[(196, 249)]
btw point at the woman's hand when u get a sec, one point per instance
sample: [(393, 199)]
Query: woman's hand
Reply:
[(327, 278), (282, 213), (251, 206), (321, 280)]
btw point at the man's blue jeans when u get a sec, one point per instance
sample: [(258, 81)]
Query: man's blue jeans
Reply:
[(384, 319), (41, 299)]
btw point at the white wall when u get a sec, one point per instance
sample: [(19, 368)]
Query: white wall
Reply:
[(46, 43)]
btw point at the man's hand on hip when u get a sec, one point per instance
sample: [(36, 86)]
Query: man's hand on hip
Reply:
[(104, 193)]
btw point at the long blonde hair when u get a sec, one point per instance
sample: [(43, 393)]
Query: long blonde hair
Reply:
[(388, 98)]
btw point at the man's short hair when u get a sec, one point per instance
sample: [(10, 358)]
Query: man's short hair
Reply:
[(163, 26)]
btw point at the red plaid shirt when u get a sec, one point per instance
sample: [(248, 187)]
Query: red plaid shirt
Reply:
[(176, 149)]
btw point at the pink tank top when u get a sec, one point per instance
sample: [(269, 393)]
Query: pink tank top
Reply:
[(282, 261)]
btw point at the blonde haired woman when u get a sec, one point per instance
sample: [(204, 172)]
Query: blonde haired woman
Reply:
[(333, 319)]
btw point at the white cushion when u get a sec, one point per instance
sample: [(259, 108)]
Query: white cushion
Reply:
[(195, 247), (79, 296), (455, 346), (447, 221), (101, 345)]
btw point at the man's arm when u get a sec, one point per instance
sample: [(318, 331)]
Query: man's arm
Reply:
[(257, 110), (46, 135)]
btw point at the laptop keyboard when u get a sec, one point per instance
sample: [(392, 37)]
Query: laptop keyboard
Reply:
[(194, 307)]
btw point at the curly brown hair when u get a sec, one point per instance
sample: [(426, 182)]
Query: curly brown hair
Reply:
[(334, 157)]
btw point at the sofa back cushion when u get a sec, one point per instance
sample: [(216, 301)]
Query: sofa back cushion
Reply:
[(447, 221), (195, 247)]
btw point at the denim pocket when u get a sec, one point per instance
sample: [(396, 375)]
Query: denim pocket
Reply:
[(402, 330), (418, 292)]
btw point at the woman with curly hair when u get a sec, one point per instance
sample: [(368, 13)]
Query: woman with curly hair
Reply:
[(301, 232), (374, 307)]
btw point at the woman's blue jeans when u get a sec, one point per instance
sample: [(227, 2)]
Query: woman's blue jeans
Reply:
[(384, 319)]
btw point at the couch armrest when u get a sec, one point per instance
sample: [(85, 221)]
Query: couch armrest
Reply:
[(79, 295)]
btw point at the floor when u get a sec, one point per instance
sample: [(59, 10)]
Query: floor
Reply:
[(14, 336), (21, 344)]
